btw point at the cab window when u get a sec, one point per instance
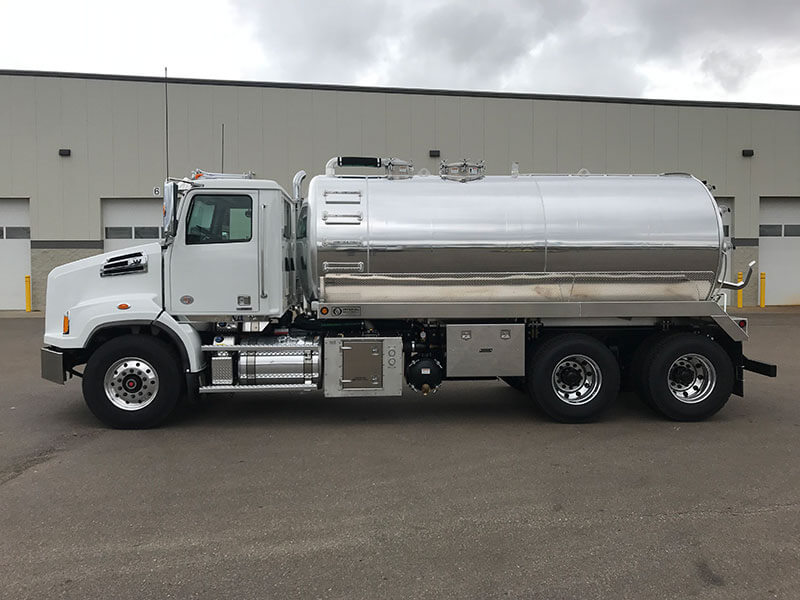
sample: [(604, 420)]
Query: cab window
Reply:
[(302, 223), (219, 219)]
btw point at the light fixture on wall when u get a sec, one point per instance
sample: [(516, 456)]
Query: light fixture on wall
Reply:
[(64, 152), (748, 152)]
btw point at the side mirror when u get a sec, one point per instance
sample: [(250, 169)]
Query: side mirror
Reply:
[(170, 222)]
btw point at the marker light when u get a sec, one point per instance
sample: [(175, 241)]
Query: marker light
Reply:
[(66, 323), (324, 310), (123, 306)]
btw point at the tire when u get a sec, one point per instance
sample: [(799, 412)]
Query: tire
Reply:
[(120, 379), (573, 377), (688, 377), (638, 377), (518, 383)]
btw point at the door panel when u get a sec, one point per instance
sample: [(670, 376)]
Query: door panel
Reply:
[(214, 259), (362, 364)]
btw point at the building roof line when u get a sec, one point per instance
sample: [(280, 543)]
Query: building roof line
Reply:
[(400, 90)]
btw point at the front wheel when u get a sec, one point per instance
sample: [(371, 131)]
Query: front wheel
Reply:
[(132, 382), (573, 377), (687, 377)]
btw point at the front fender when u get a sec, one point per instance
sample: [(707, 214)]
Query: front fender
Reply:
[(88, 317)]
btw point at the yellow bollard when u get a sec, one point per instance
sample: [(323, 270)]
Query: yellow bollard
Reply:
[(739, 293), (763, 286), (27, 293)]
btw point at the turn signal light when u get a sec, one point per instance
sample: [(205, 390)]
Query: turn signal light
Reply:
[(123, 306), (66, 324), (324, 310)]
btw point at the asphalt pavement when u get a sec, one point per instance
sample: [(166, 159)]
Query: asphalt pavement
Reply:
[(467, 493)]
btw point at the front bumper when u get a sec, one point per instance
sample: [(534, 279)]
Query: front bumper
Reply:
[(53, 365)]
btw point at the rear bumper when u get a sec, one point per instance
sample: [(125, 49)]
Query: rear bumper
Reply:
[(53, 365)]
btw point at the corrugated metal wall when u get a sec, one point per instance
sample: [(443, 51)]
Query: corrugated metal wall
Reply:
[(115, 130)]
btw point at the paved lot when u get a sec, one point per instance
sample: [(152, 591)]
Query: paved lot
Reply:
[(466, 494)]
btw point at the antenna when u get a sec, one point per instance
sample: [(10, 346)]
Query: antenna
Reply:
[(222, 153), (166, 127)]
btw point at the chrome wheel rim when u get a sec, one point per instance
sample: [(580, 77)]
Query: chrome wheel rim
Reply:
[(576, 379), (691, 378), (131, 383)]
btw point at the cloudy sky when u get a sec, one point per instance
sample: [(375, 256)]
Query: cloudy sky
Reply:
[(687, 49)]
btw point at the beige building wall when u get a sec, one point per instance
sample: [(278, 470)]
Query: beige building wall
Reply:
[(114, 128)]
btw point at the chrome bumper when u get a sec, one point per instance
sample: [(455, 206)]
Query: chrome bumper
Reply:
[(53, 365)]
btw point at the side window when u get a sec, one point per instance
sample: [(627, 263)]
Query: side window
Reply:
[(217, 219), (287, 220), (302, 223)]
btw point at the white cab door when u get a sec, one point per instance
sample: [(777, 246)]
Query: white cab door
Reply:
[(779, 249), (15, 252), (214, 260), (130, 222)]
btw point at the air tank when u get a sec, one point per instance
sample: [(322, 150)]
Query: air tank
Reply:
[(527, 238)]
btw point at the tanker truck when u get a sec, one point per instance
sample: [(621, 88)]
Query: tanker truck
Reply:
[(562, 286)]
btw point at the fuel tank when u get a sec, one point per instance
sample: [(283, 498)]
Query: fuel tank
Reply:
[(527, 238)]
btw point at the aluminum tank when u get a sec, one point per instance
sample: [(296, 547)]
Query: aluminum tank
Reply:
[(528, 238)]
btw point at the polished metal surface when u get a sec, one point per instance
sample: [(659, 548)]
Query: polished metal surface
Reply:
[(279, 360), (490, 310), (363, 367), (131, 383), (691, 378), (485, 350), (509, 287), (739, 285), (222, 368), (276, 387), (576, 379), (648, 238), (362, 364), (52, 365)]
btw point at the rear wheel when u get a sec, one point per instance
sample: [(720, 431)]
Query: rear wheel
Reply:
[(637, 375), (573, 377), (687, 377), (132, 382)]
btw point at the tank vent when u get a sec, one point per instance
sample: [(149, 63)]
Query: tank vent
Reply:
[(124, 264), (462, 170), (397, 168)]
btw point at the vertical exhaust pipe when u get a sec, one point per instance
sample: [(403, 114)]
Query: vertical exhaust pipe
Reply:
[(297, 184)]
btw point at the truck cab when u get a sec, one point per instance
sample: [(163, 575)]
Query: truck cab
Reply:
[(231, 251)]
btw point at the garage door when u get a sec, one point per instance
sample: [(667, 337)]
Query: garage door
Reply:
[(779, 249), (15, 252), (130, 222)]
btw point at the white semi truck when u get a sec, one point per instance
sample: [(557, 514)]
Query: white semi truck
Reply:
[(560, 285)]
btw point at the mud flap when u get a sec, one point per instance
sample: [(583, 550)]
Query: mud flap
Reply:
[(759, 367)]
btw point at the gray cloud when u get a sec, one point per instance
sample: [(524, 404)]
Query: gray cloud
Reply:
[(728, 69), (570, 46)]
